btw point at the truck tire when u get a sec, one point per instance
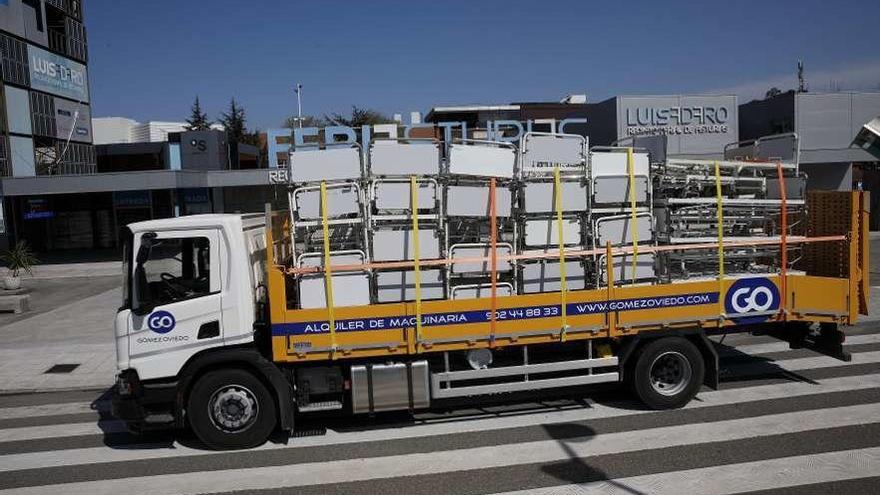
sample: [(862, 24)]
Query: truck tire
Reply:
[(231, 409), (668, 373)]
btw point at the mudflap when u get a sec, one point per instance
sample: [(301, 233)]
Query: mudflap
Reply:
[(712, 379), (828, 340)]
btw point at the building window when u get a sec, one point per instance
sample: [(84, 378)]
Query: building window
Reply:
[(14, 55), (4, 158), (76, 40), (58, 157), (58, 4), (76, 158), (45, 156), (38, 12), (18, 110), (43, 114), (74, 8), (57, 27)]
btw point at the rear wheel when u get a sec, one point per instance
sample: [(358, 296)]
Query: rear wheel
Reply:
[(231, 409), (668, 373)]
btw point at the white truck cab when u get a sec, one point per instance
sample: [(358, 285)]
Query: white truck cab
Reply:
[(191, 286), (190, 290)]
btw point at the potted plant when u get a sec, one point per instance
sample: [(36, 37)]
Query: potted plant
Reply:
[(19, 258)]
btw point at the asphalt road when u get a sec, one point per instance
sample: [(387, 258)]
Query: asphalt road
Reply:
[(784, 421)]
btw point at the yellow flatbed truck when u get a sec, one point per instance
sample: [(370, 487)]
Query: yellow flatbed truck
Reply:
[(210, 335)]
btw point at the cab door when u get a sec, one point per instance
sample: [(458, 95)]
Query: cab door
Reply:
[(176, 299)]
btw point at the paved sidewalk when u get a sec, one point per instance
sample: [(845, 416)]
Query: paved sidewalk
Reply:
[(68, 270), (78, 331)]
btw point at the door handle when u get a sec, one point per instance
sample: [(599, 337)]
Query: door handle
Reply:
[(209, 330)]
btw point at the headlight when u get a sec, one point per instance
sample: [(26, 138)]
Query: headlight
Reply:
[(126, 383)]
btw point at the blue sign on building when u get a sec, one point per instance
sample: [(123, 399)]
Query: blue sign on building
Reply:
[(57, 75)]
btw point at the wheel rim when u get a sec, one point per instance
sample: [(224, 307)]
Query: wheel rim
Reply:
[(233, 408), (670, 373)]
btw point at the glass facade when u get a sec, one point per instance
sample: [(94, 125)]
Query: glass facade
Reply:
[(45, 35)]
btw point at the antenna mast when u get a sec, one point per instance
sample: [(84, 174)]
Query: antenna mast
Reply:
[(802, 84)]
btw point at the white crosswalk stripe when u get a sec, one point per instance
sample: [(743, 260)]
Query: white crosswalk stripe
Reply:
[(735, 478), (594, 411), (480, 458), (92, 428), (758, 349), (51, 410), (766, 432)]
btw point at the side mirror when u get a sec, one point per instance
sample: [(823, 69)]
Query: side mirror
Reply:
[(143, 254), (142, 296), (144, 299)]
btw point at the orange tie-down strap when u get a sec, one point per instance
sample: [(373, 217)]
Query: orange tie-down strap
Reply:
[(568, 253)]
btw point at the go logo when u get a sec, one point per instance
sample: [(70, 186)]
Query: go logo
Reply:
[(752, 295), (161, 322)]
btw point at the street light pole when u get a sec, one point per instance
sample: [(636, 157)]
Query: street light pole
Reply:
[(299, 110)]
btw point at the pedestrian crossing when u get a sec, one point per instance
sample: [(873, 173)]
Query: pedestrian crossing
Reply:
[(787, 421)]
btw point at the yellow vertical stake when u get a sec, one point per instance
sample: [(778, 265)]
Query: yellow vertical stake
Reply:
[(328, 275), (414, 207), (630, 171), (720, 220), (557, 197), (610, 316)]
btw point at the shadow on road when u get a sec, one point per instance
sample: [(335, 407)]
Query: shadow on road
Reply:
[(737, 366), (575, 469), (117, 436), (115, 433)]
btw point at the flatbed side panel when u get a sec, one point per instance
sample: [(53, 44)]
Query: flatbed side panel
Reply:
[(381, 329), (818, 299)]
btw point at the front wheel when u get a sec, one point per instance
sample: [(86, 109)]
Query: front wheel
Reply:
[(231, 409), (668, 373)]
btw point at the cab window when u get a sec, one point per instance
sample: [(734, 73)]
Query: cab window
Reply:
[(178, 269)]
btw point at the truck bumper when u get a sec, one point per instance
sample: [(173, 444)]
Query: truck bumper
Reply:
[(144, 406)]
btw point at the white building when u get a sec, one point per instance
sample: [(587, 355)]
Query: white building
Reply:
[(108, 130), (111, 130)]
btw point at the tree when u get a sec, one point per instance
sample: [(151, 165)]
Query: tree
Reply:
[(198, 120), (774, 91), (359, 117), (292, 122), (252, 137), (234, 121)]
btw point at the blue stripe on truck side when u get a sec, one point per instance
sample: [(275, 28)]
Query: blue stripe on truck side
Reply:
[(482, 316)]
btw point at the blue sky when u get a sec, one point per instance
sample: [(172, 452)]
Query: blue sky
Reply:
[(149, 59)]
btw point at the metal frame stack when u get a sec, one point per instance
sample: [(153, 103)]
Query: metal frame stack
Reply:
[(402, 223), (479, 189), (404, 197), (553, 210), (328, 221), (688, 195), (621, 213)]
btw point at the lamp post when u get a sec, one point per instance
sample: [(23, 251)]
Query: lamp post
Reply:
[(299, 116)]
